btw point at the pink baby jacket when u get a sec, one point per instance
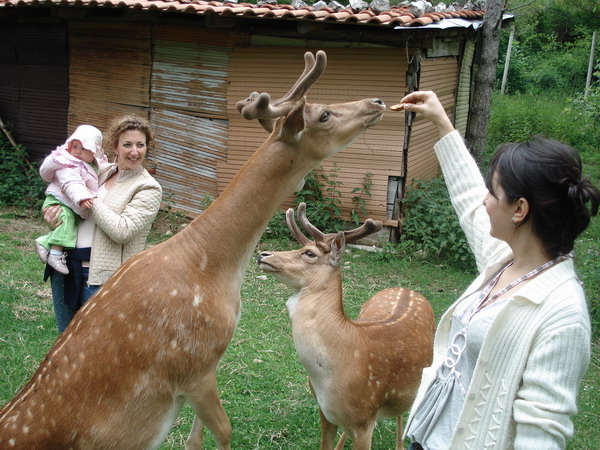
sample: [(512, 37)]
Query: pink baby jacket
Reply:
[(71, 180)]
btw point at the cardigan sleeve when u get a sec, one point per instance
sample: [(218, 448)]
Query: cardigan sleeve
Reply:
[(467, 190), (547, 397), (138, 213)]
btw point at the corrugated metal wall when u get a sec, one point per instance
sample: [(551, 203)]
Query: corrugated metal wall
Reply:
[(109, 70), (189, 111), (34, 84), (440, 76), (351, 74), (463, 98), (187, 80)]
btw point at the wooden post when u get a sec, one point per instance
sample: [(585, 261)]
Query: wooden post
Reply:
[(588, 81), (507, 62)]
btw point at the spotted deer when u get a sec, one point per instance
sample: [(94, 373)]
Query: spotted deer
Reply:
[(152, 337), (359, 370)]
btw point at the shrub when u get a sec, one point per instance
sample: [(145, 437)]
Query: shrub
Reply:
[(321, 192), (431, 226), (520, 118), (20, 183)]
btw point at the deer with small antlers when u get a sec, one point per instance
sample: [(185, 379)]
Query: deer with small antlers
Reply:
[(151, 338), (359, 370)]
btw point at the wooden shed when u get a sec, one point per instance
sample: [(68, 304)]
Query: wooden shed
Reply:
[(184, 65)]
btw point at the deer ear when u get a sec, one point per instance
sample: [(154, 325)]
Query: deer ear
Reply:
[(337, 249), (293, 123)]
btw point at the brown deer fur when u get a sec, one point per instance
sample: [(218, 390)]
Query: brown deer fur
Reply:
[(151, 338), (362, 369)]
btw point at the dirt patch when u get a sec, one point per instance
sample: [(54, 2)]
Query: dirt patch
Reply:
[(19, 221)]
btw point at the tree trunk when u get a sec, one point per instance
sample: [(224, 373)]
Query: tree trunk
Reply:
[(476, 134)]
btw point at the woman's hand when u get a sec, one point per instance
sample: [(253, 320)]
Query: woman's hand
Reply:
[(52, 216), (428, 105)]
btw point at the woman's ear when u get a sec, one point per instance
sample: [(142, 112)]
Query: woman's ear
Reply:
[(520, 212)]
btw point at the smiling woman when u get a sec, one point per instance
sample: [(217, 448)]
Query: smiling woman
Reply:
[(121, 216)]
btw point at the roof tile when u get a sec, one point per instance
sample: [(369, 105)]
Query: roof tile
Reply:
[(396, 16)]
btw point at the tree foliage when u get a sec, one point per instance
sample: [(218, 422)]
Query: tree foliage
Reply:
[(552, 44)]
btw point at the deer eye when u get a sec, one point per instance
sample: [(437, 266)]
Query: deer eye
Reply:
[(325, 116), (310, 254)]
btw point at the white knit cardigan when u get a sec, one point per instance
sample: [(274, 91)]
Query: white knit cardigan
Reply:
[(524, 386), (122, 220)]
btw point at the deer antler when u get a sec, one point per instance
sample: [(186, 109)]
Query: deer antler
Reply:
[(291, 223), (259, 106), (369, 227)]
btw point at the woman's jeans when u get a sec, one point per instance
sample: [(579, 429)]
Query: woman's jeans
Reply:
[(64, 313)]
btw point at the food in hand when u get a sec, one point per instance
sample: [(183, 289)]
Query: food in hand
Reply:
[(398, 107)]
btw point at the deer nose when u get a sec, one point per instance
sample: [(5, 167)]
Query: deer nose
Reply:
[(262, 255), (378, 101)]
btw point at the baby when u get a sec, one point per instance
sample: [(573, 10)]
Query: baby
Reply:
[(72, 173)]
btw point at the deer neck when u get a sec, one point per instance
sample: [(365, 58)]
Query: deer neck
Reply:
[(321, 331), (317, 306), (230, 228)]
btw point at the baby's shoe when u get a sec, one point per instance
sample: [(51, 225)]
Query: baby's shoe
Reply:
[(58, 263), (42, 252)]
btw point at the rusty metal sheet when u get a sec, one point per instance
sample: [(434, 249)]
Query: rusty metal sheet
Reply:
[(188, 149)]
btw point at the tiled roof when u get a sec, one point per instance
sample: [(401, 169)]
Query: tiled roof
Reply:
[(396, 16)]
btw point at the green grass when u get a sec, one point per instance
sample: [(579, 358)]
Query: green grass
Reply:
[(262, 384)]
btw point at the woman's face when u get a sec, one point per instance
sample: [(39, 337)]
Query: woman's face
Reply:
[(500, 211), (131, 149)]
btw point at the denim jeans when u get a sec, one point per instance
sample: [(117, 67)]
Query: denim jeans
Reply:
[(62, 312)]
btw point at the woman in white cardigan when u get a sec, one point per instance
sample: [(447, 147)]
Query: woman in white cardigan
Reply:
[(510, 353), (121, 216)]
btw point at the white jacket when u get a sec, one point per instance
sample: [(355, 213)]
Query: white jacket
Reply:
[(524, 386), (123, 220)]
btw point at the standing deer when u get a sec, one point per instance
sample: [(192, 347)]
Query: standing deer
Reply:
[(359, 370), (151, 338)]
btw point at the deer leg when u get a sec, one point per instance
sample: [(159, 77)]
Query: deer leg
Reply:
[(399, 433), (328, 433), (194, 440), (204, 399), (361, 436), (342, 441)]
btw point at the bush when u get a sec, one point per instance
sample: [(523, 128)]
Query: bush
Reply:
[(520, 118), (431, 226), (322, 195), (20, 183)]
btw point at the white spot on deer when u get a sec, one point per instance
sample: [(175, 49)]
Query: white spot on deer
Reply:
[(197, 296), (130, 336), (12, 442), (356, 353), (197, 300), (173, 344), (121, 316), (174, 292), (25, 429)]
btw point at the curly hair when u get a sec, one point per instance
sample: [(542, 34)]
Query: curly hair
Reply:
[(547, 173), (126, 123)]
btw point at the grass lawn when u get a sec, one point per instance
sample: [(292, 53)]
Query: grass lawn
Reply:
[(262, 384)]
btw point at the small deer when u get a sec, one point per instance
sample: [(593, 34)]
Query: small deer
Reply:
[(151, 338), (359, 370)]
